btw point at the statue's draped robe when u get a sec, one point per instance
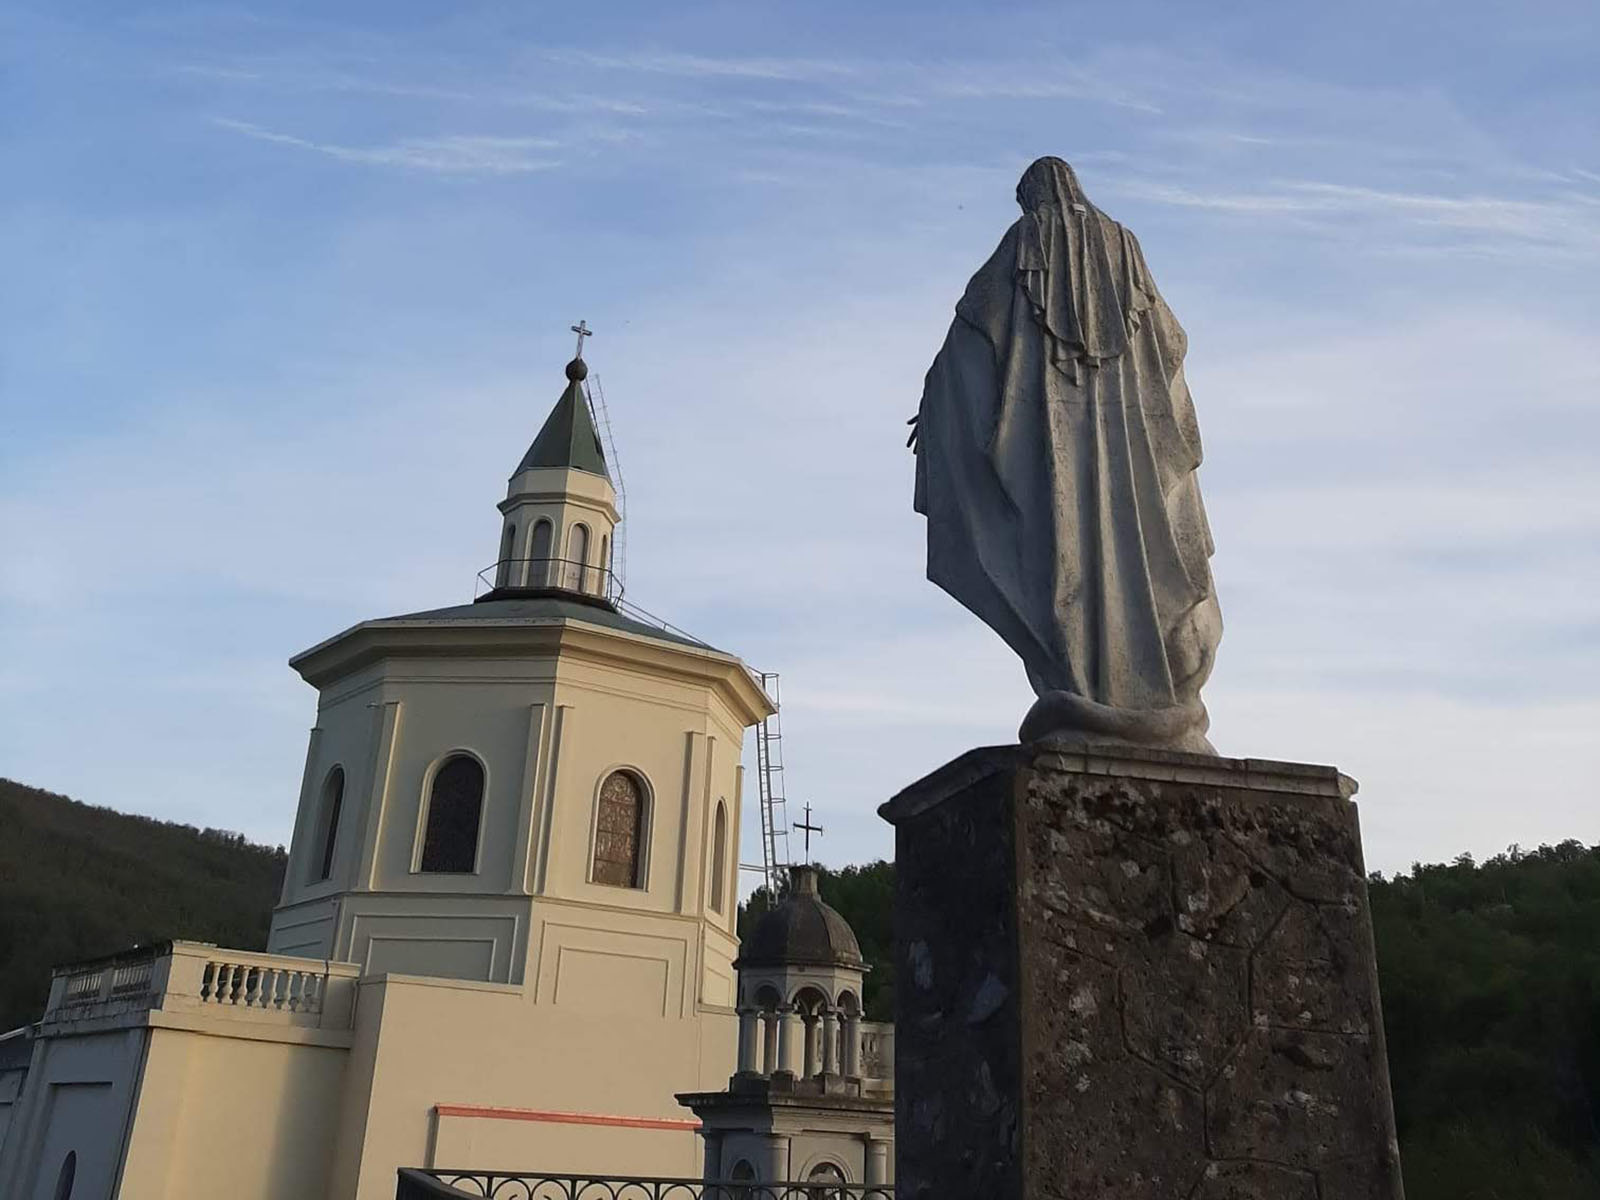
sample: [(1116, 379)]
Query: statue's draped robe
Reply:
[(1057, 445)]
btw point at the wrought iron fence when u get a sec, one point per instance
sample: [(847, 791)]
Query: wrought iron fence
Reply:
[(551, 574), (501, 1185)]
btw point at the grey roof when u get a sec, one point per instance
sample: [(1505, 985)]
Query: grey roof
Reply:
[(801, 930), (532, 608), (568, 438)]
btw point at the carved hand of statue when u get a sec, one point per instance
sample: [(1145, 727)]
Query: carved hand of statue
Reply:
[(911, 442)]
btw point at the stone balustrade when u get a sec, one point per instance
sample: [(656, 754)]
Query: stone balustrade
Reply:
[(877, 1049), (202, 979)]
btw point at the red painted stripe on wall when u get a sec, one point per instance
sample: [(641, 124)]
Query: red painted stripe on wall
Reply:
[(563, 1118)]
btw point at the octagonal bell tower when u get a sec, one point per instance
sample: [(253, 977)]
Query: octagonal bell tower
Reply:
[(540, 788)]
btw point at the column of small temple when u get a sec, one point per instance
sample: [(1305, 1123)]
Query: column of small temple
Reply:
[(774, 1040)]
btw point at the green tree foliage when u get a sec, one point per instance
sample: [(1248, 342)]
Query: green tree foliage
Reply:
[(77, 882), (1490, 974)]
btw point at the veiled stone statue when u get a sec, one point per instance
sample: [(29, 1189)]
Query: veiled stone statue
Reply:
[(1056, 454)]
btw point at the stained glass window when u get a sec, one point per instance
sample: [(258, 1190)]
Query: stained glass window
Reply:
[(619, 825)]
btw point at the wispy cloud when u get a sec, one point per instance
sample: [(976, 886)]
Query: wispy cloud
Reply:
[(1044, 82), (696, 66), (455, 154), (1564, 222)]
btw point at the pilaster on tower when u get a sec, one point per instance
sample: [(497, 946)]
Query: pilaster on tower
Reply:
[(560, 511)]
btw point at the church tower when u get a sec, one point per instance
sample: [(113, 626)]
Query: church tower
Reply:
[(536, 789), (560, 509), (506, 934)]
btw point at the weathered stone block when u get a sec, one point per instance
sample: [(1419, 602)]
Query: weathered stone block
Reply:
[(1130, 974)]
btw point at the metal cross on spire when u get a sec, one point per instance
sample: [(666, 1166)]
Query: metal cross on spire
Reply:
[(582, 330), (809, 830)]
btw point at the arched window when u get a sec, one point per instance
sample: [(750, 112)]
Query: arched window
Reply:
[(66, 1176), (455, 806), (539, 554), (603, 583), (578, 558), (332, 802), (508, 553), (821, 1175), (719, 859), (619, 831)]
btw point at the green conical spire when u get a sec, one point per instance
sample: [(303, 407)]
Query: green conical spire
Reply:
[(568, 438)]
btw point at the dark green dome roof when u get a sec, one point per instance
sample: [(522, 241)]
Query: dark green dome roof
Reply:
[(801, 931), (568, 438)]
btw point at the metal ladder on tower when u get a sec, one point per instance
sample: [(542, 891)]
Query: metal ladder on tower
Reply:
[(602, 422), (769, 783)]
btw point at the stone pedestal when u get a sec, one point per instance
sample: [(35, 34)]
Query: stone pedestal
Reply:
[(1129, 974)]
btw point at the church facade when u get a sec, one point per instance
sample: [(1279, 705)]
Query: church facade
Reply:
[(506, 936)]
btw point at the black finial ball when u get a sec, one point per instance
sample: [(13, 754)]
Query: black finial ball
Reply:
[(577, 370)]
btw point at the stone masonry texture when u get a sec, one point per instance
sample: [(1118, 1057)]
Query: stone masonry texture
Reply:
[(1135, 975)]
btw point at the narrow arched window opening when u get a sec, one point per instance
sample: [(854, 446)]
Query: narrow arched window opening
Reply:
[(719, 859), (508, 554), (577, 573), (539, 554), (619, 831), (455, 807), (332, 803), (603, 583), (67, 1176)]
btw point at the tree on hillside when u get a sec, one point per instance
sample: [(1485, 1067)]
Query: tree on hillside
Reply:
[(78, 881)]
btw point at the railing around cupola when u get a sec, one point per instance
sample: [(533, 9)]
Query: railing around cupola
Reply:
[(510, 576)]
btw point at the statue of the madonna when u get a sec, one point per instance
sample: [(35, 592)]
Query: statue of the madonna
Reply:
[(1056, 454)]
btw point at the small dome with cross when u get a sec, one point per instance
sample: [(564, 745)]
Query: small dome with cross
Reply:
[(803, 930)]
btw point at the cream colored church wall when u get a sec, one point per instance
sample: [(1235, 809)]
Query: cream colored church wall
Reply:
[(513, 1139), (667, 734), (422, 1043), (249, 1119), (546, 747), (377, 909), (347, 735), (448, 709)]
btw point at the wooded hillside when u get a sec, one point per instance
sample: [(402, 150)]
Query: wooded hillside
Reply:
[(1490, 975), (78, 881)]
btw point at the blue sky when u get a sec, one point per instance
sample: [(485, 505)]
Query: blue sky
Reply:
[(287, 288)]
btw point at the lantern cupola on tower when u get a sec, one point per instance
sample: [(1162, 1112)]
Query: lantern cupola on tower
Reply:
[(560, 511)]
